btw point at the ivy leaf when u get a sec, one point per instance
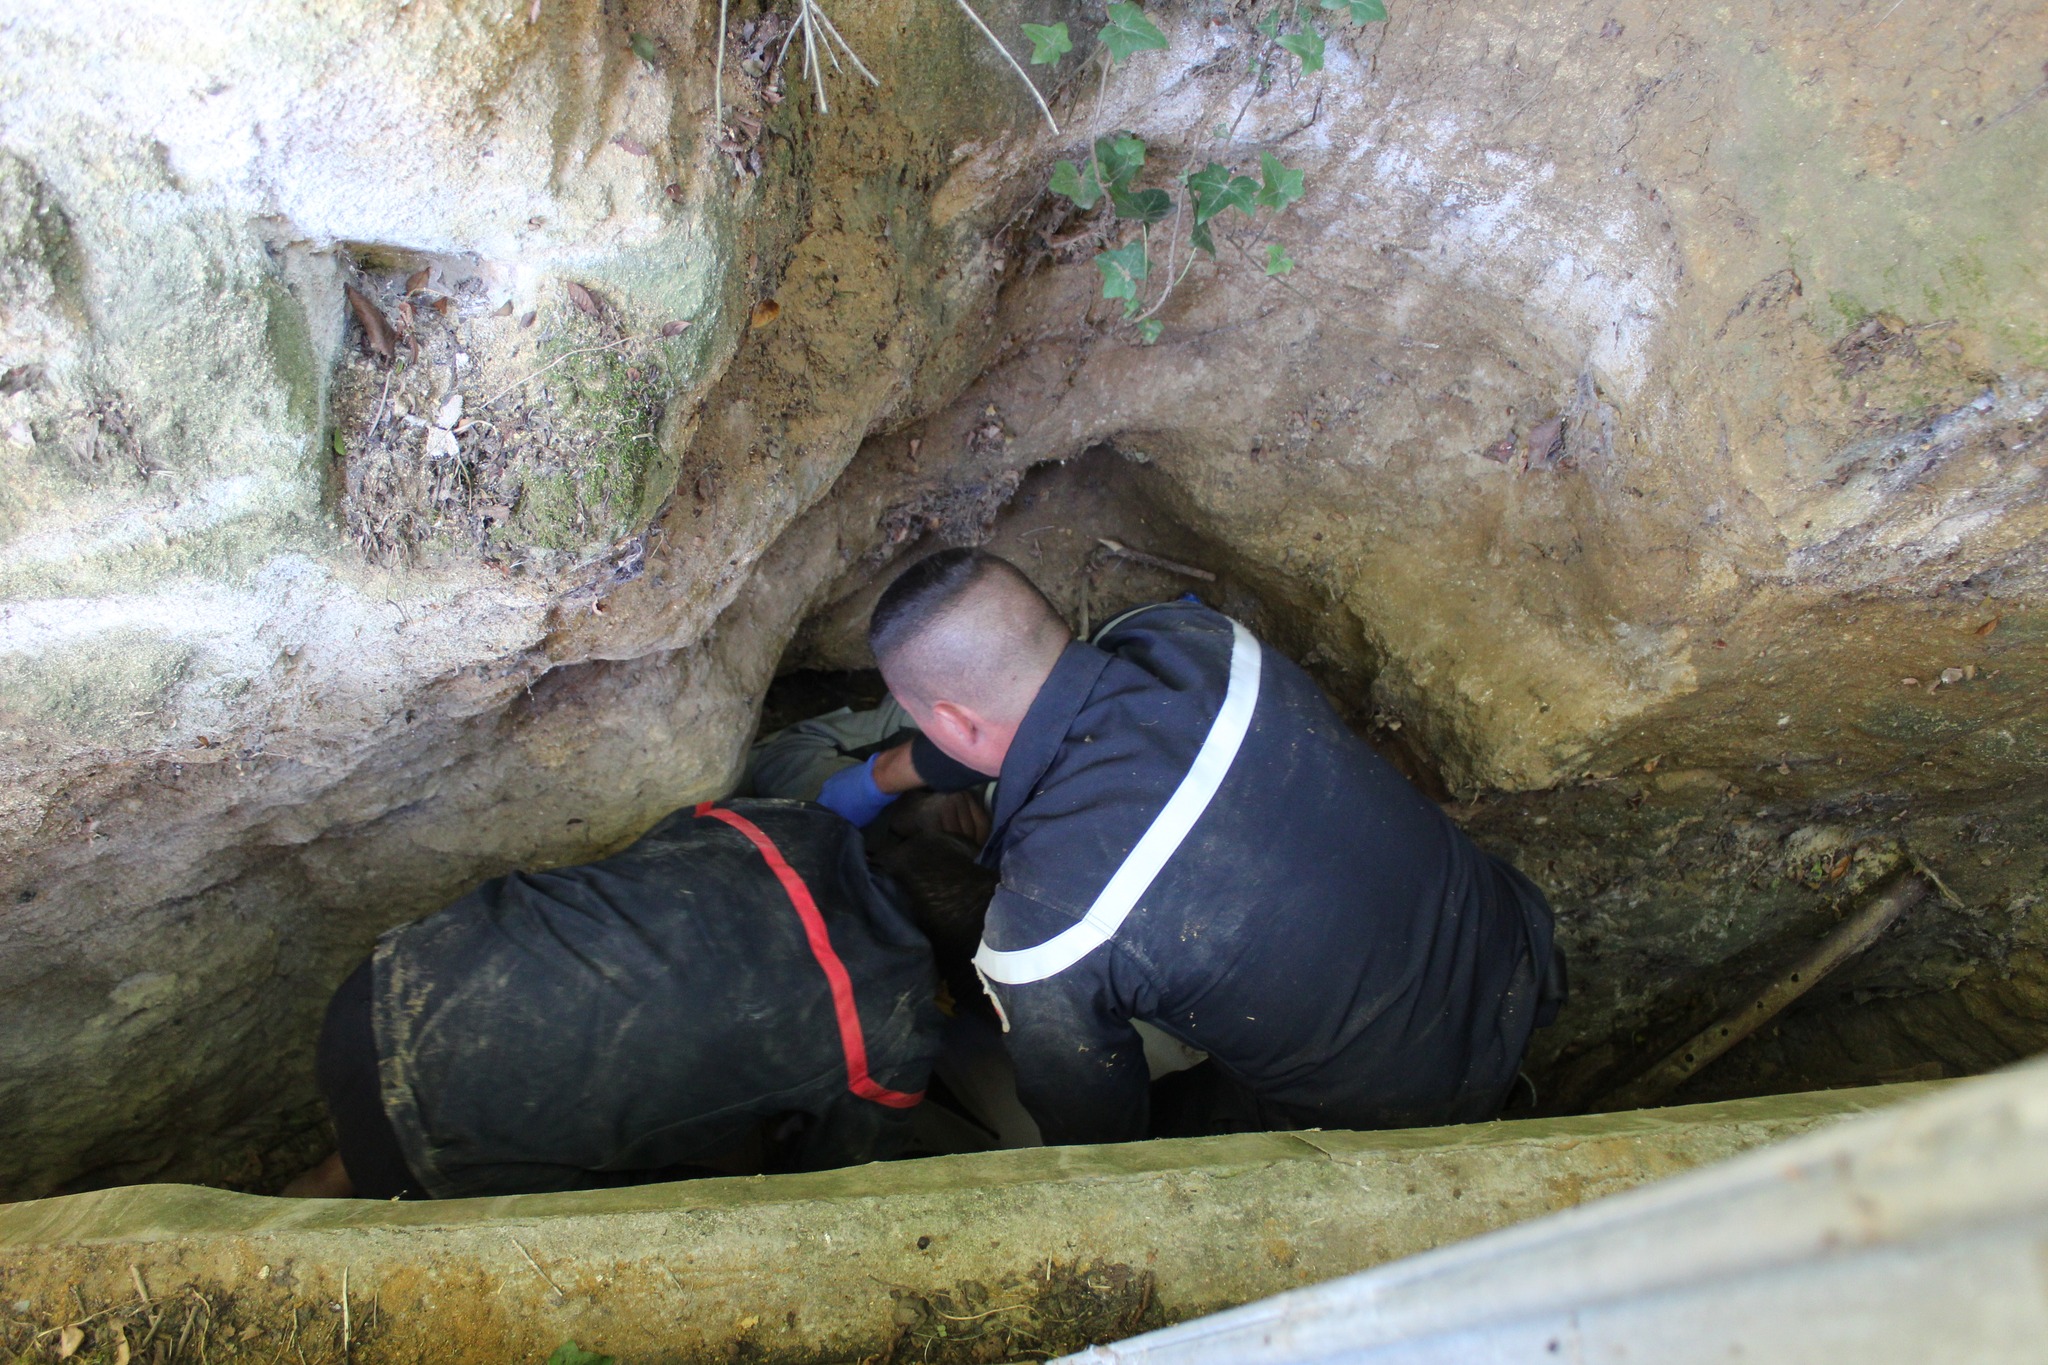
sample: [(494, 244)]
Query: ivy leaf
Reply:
[(1076, 183), (1122, 269), (1216, 189), (1149, 330), (569, 1353), (1278, 262), (1129, 31), (1120, 157), (1269, 25), (1362, 11), (1282, 186), (1049, 42), (1147, 206), (1307, 45), (1203, 240)]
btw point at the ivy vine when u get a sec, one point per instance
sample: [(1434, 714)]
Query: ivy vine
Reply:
[(1194, 199)]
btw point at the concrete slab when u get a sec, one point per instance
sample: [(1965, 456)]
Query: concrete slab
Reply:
[(1017, 1254)]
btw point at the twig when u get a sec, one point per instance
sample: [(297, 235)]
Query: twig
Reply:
[(997, 43), (976, 1317), (377, 418), (580, 350), (345, 1335), (832, 31), (141, 1289), (717, 75), (536, 1265), (811, 63), (1851, 937), (1118, 550)]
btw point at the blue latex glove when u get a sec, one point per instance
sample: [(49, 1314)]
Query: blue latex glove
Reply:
[(851, 793)]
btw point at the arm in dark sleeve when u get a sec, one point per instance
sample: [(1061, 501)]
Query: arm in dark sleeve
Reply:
[(850, 1132), (939, 772), (1080, 1065)]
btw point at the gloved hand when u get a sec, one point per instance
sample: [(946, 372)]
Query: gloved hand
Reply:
[(851, 793)]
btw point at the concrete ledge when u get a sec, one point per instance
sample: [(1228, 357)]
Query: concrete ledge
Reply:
[(932, 1256)]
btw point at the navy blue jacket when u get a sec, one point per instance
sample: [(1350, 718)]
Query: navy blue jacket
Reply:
[(1297, 909)]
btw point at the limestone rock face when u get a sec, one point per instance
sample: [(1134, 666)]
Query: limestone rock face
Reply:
[(355, 356), (423, 432)]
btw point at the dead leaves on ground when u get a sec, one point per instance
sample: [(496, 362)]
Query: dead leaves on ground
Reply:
[(378, 336), (587, 303)]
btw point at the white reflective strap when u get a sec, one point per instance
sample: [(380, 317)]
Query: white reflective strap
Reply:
[(1233, 720)]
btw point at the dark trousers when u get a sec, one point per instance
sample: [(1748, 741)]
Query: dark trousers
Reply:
[(1207, 1101), (346, 1067)]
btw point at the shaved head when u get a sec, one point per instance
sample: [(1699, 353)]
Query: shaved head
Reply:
[(966, 627)]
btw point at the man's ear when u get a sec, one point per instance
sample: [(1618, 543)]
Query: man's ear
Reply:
[(954, 728)]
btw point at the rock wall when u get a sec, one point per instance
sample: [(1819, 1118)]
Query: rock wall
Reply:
[(294, 647)]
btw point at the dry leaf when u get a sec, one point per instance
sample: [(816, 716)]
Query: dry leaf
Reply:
[(630, 146), (418, 279), (527, 321), (69, 1340), (585, 301), (1951, 676), (443, 304), (1543, 443), (121, 1352), (376, 328), (1909, 682), (765, 312), (1989, 626), (451, 408), (441, 444), (504, 310), (675, 329)]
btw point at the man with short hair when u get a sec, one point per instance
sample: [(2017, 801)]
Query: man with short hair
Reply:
[(1188, 836)]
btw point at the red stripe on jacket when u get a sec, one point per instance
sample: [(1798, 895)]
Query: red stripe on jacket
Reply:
[(851, 1040)]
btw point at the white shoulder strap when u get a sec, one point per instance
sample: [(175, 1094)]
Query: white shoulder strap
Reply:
[(1226, 734)]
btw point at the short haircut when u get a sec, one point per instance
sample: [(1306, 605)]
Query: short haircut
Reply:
[(922, 592)]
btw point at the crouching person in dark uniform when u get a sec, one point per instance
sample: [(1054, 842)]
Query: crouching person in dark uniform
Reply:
[(734, 991), (1189, 837)]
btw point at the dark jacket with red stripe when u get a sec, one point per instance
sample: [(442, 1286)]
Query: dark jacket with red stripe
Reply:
[(598, 1024)]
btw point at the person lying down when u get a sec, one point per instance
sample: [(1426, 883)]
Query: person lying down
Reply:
[(737, 991)]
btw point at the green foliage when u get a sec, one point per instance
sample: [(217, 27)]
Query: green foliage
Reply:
[(1215, 189), (645, 48), (569, 1353), (1121, 156), (1282, 186), (1122, 271), (1360, 11), (1115, 163), (1129, 31), (1147, 206), (1076, 183), (1049, 42), (1307, 45)]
